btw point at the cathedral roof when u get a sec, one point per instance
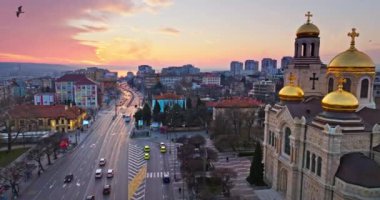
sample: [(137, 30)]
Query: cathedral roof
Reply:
[(352, 60), (370, 117), (357, 169), (308, 108)]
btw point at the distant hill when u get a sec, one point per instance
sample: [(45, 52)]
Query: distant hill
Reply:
[(11, 69)]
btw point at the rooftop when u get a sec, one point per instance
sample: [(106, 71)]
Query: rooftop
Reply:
[(39, 111), (237, 102), (79, 79), (168, 96)]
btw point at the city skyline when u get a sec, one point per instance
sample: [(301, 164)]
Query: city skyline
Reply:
[(164, 33)]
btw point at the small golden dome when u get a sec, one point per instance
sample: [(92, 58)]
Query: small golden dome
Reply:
[(340, 100), (308, 29), (291, 92), (352, 60)]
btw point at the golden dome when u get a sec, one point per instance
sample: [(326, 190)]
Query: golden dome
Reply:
[(291, 92), (340, 100), (352, 60), (308, 29)]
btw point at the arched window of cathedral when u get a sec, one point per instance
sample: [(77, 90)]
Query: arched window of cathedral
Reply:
[(270, 138), (308, 160), (331, 85), (364, 88), (319, 166), (287, 140), (347, 85), (304, 50), (312, 49), (313, 163)]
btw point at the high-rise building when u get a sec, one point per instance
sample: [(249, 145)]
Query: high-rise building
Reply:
[(251, 65), (236, 68), (269, 66), (179, 71), (285, 61), (145, 69)]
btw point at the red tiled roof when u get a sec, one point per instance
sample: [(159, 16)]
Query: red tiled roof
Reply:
[(51, 112), (168, 96), (78, 79), (237, 103)]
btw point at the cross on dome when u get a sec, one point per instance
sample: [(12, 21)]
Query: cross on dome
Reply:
[(291, 79), (308, 15), (341, 81), (353, 34)]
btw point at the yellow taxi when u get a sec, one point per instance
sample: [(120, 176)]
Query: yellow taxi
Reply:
[(146, 148), (163, 149), (146, 156)]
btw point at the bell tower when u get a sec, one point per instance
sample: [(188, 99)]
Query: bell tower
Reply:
[(307, 64)]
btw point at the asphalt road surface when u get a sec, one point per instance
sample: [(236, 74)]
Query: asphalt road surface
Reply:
[(109, 139)]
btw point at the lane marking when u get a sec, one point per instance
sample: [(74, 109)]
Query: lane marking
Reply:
[(136, 182)]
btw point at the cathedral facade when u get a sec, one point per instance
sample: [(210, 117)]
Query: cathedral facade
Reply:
[(322, 141)]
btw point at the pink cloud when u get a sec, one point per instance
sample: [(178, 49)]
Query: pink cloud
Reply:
[(171, 31), (43, 30)]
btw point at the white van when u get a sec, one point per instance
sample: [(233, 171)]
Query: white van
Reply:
[(98, 173)]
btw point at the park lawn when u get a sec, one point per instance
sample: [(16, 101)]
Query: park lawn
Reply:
[(6, 158)]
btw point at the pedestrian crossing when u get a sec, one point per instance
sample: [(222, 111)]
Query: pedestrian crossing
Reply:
[(135, 163), (156, 174)]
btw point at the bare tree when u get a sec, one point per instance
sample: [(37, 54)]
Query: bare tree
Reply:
[(236, 117), (12, 175), (36, 154), (7, 122), (225, 175), (249, 119)]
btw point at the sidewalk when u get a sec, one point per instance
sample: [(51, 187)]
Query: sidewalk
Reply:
[(177, 180), (241, 166)]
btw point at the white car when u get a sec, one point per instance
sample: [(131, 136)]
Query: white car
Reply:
[(110, 173), (98, 173)]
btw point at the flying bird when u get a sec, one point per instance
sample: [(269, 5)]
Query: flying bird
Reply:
[(19, 11)]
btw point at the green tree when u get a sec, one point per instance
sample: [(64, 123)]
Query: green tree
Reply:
[(256, 172), (188, 104), (138, 116), (199, 102), (156, 111), (146, 114)]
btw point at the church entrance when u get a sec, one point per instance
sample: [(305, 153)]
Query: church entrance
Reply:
[(283, 183)]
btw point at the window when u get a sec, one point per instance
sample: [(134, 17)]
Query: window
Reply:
[(331, 85), (319, 166), (40, 122), (347, 85), (312, 49), (270, 138), (22, 123), (313, 163), (304, 50), (273, 139), (287, 141), (308, 160), (49, 122), (364, 88)]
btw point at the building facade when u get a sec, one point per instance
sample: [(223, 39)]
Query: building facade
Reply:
[(168, 99), (44, 99), (251, 65), (211, 79), (321, 146), (285, 61), (170, 81), (263, 90), (78, 89)]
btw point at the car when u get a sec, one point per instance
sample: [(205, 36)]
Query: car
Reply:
[(68, 178), (127, 119), (124, 116), (146, 148), (110, 173), (98, 173), (102, 162), (107, 189), (166, 177), (163, 149), (146, 156), (90, 197)]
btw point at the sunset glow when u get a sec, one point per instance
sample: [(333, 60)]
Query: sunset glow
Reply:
[(209, 34)]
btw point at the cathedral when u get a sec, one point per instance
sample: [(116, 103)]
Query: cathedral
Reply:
[(322, 140)]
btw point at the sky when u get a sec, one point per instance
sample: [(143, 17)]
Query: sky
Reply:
[(206, 33)]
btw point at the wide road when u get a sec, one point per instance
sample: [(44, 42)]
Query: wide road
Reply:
[(156, 167), (109, 139)]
